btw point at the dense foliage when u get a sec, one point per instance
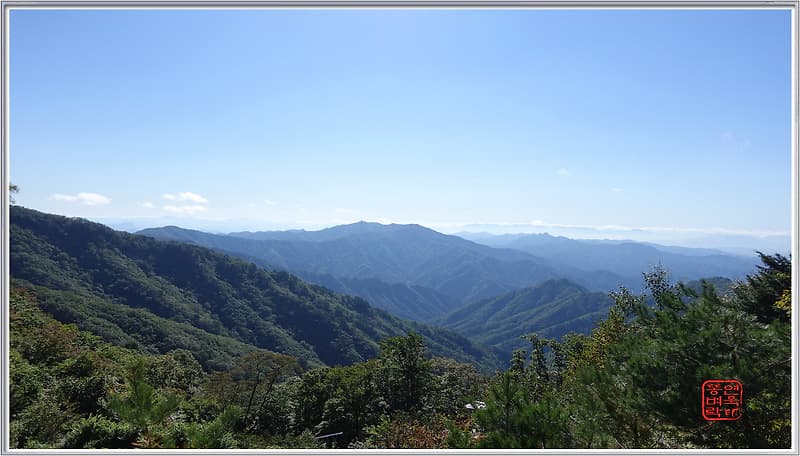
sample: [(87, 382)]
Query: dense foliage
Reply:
[(634, 382), (69, 389)]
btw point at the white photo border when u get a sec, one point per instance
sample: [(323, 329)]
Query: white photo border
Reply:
[(9, 5)]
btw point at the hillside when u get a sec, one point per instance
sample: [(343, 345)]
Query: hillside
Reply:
[(137, 328), (123, 283), (550, 309), (412, 302)]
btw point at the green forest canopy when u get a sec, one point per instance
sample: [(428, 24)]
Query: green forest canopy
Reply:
[(634, 382)]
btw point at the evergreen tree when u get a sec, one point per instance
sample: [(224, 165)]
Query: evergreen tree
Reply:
[(143, 407)]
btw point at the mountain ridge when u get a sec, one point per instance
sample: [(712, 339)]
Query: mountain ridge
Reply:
[(627, 258), (400, 254)]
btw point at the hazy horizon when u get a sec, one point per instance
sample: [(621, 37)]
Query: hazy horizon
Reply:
[(741, 243)]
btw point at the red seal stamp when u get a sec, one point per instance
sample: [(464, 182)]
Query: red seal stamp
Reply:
[(722, 400)]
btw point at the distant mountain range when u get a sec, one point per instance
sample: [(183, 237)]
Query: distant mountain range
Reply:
[(729, 242), (737, 243), (141, 292), (626, 258), (440, 271), (507, 240), (418, 273)]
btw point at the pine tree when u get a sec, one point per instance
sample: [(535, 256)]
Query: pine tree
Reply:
[(142, 407)]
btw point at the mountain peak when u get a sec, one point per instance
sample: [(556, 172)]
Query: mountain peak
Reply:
[(364, 227)]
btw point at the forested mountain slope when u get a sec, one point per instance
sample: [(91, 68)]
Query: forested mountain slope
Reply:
[(213, 293), (550, 309)]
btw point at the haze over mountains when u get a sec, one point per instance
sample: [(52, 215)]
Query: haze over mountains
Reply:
[(418, 273), (626, 258), (737, 242)]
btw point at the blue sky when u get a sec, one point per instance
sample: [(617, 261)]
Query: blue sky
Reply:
[(672, 120)]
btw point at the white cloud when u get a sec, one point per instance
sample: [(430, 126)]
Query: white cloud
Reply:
[(146, 204), (617, 189), (564, 172), (186, 209), (270, 202), (185, 196), (87, 199)]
